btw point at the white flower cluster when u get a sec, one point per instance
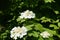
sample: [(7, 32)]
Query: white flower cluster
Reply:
[(45, 34), (27, 14), (18, 32)]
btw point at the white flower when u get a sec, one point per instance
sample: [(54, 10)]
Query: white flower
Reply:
[(18, 32), (45, 34), (27, 14)]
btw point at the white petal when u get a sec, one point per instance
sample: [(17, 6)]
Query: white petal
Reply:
[(11, 36), (21, 36), (24, 33), (15, 37), (24, 28)]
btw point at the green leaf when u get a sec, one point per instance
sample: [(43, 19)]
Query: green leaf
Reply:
[(20, 20), (38, 27), (45, 19), (7, 31), (52, 32), (59, 24), (52, 25), (29, 27), (4, 37), (55, 21), (35, 34), (40, 38), (4, 34), (51, 38), (30, 34), (56, 12), (50, 1), (58, 35)]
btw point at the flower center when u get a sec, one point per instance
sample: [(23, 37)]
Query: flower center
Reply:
[(27, 14), (19, 30)]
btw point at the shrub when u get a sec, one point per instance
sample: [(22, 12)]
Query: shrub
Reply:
[(43, 22)]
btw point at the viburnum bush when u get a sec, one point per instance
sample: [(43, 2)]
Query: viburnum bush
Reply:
[(30, 20)]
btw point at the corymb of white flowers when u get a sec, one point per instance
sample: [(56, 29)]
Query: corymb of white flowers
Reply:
[(27, 14), (18, 32), (45, 34)]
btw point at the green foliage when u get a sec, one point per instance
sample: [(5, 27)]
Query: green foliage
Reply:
[(47, 18), (46, 1), (55, 27), (59, 24), (39, 27)]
